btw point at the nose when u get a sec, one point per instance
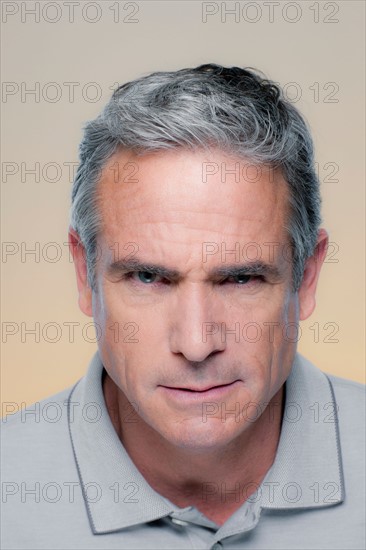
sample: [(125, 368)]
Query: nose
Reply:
[(194, 327)]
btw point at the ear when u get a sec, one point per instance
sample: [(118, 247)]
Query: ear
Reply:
[(79, 256), (309, 282)]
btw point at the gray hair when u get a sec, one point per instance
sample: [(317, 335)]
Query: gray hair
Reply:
[(233, 109)]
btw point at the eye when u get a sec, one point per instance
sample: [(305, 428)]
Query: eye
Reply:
[(242, 279), (146, 277)]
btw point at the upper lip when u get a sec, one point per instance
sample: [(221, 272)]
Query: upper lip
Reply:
[(206, 388)]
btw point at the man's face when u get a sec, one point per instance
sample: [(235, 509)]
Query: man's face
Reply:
[(201, 346)]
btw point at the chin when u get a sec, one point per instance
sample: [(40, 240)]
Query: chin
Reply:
[(194, 435)]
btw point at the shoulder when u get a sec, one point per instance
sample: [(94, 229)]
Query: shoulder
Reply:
[(345, 386), (349, 397), (46, 411), (343, 389), (40, 480), (37, 433), (333, 399)]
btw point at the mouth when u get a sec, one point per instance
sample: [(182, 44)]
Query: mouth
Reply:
[(195, 393), (199, 390)]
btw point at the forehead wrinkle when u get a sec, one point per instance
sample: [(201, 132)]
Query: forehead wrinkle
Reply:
[(198, 228), (146, 205)]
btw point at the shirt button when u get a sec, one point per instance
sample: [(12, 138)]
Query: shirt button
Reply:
[(216, 546), (178, 521)]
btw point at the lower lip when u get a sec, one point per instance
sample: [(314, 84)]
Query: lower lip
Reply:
[(212, 394)]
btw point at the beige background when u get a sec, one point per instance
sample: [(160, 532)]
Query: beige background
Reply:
[(320, 53)]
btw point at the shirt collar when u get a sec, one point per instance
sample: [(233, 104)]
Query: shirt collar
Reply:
[(115, 493), (307, 471)]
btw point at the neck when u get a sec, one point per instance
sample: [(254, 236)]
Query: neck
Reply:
[(218, 482)]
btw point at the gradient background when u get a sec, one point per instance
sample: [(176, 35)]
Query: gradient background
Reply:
[(313, 49)]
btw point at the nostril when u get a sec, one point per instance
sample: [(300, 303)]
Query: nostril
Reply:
[(196, 364), (215, 352)]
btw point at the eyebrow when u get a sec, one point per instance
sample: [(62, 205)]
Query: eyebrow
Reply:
[(120, 267), (254, 268)]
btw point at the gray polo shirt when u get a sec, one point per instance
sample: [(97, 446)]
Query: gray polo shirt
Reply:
[(68, 483)]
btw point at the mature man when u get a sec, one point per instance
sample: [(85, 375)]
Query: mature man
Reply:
[(196, 241)]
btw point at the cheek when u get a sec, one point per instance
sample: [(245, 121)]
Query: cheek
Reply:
[(284, 339), (262, 321), (128, 339), (267, 339)]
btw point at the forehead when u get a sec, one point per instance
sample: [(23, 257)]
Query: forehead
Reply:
[(188, 198)]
